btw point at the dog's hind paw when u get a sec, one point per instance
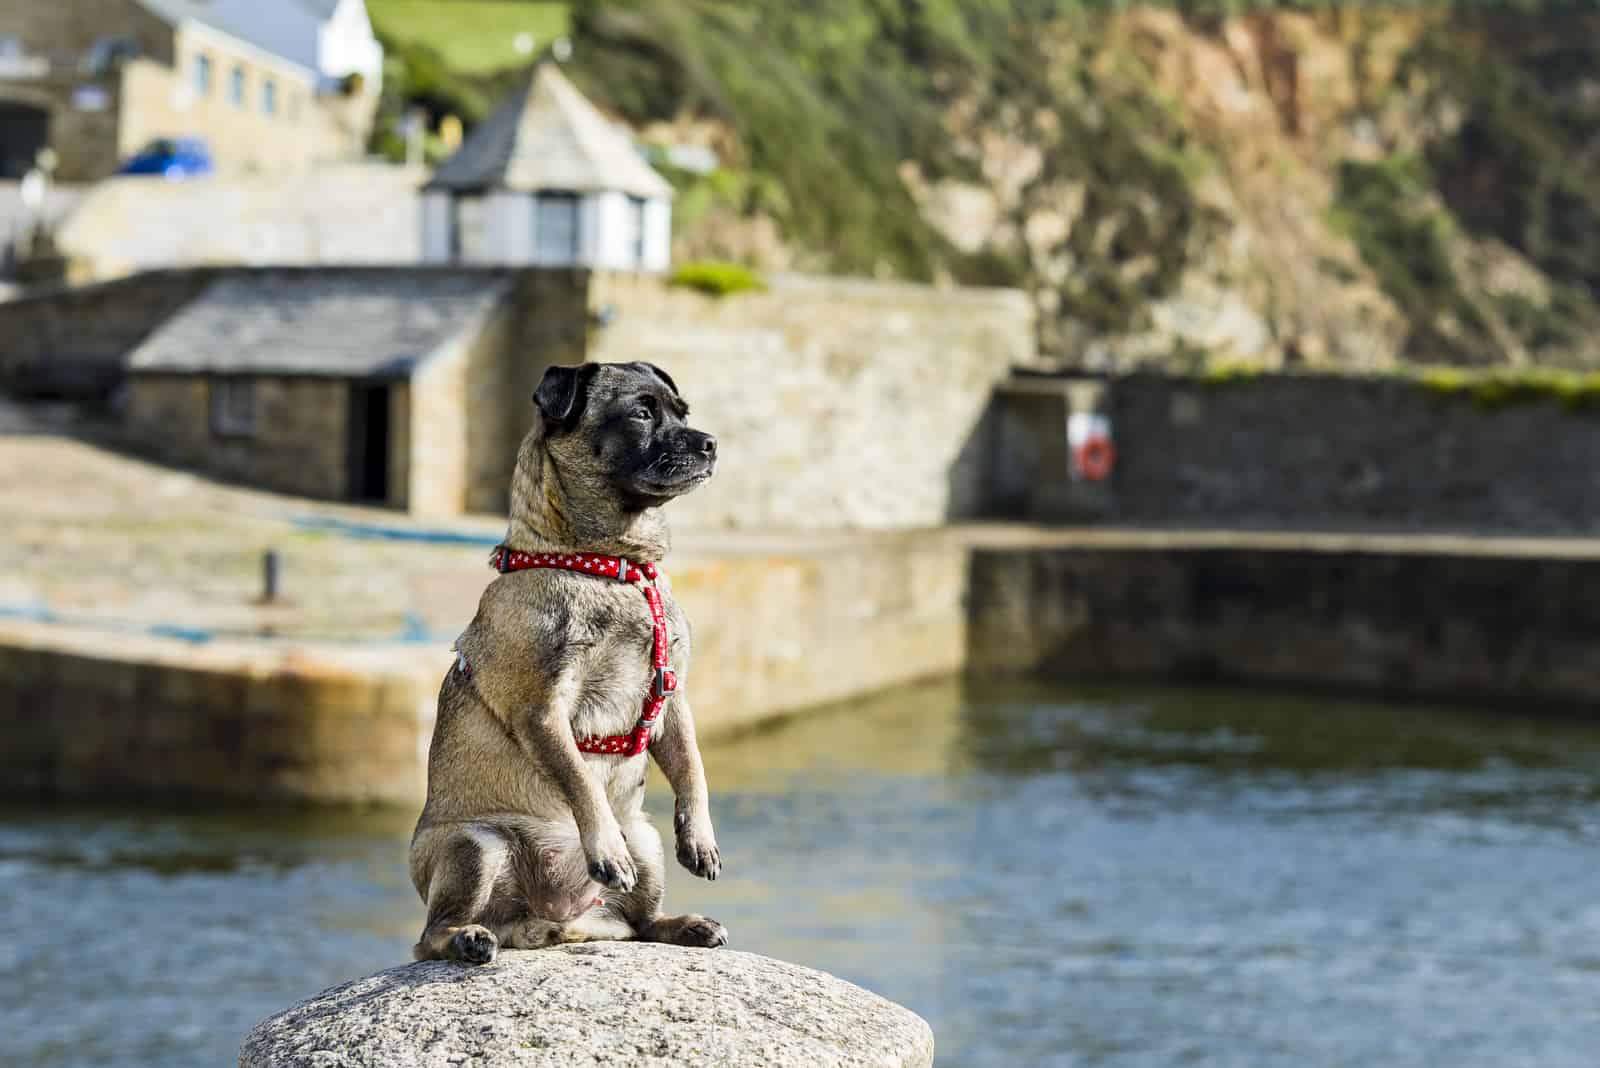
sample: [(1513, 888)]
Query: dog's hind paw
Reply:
[(473, 945)]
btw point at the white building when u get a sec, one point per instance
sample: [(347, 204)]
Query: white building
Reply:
[(548, 181)]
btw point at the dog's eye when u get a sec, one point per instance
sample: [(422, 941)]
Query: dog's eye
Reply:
[(643, 413)]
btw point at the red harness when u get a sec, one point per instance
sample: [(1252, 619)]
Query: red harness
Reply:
[(617, 569)]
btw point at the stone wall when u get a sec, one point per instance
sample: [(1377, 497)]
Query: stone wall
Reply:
[(837, 402), (299, 445), (1338, 452), (167, 719), (351, 214), (76, 341), (1459, 620)]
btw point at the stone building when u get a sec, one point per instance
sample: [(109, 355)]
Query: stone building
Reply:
[(408, 388), (548, 181), (268, 86)]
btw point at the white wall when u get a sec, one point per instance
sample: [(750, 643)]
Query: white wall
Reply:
[(657, 235), (613, 246), (346, 45), (435, 222)]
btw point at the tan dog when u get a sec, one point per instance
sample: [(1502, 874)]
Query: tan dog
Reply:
[(526, 841)]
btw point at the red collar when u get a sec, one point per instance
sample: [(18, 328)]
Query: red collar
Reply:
[(617, 569)]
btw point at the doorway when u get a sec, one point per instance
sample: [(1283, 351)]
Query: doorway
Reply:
[(369, 443), (24, 130)]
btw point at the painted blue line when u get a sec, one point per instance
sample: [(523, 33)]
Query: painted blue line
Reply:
[(415, 631), (379, 532)]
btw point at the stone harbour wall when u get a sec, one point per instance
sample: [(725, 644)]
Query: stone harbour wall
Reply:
[(1454, 620), (84, 714), (777, 628), (1341, 453)]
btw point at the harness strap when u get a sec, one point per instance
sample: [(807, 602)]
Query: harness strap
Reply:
[(663, 681)]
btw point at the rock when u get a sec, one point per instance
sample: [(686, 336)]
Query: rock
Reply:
[(601, 1003)]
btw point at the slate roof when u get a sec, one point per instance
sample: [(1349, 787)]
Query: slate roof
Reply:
[(357, 324), (548, 136), (246, 24)]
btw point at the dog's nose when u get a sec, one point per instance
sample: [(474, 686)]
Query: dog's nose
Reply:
[(708, 445)]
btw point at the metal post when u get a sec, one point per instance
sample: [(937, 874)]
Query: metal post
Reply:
[(269, 576)]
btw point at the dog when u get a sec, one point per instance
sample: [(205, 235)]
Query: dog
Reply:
[(526, 840)]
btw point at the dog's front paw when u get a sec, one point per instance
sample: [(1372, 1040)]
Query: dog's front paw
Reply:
[(697, 845), (610, 863), (700, 855)]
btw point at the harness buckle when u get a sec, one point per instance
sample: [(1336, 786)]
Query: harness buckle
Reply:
[(502, 560), (622, 569), (666, 682)]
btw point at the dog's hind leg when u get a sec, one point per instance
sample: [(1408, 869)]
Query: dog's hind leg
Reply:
[(466, 864)]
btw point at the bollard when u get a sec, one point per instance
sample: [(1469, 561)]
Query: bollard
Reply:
[(269, 576)]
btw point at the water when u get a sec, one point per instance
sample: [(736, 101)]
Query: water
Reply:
[(1060, 876)]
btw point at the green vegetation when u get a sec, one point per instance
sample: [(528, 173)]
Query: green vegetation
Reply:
[(1501, 387), (1404, 236), (469, 36), (716, 278), (1223, 371)]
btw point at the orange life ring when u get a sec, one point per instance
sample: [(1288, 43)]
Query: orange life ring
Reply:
[(1095, 458)]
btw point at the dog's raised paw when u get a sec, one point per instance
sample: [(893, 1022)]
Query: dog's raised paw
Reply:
[(474, 945), (612, 874), (703, 860)]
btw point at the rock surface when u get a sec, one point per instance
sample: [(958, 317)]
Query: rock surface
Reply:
[(601, 1003)]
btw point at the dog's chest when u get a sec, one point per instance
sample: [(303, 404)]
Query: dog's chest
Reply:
[(616, 644)]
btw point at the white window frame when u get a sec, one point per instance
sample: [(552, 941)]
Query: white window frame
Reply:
[(204, 75), (233, 407), (236, 86), (638, 216), (469, 228), (269, 97)]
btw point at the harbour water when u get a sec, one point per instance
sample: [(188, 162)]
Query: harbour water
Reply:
[(1050, 875)]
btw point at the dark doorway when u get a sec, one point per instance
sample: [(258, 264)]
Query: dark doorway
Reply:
[(369, 443), (24, 130)]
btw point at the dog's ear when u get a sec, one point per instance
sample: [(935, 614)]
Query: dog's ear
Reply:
[(562, 394), (659, 373)]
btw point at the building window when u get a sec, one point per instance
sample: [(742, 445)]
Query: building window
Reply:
[(202, 75), (555, 228), (110, 52), (236, 87), (636, 222), (269, 97), (469, 230), (233, 408)]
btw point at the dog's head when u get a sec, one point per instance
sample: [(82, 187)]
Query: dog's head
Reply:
[(620, 430)]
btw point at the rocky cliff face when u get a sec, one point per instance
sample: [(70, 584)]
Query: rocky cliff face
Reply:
[(1346, 188)]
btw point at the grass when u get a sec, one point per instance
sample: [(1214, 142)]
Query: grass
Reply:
[(471, 36), (717, 279), (1500, 388)]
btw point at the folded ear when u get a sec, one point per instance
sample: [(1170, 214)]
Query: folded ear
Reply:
[(659, 373), (563, 393)]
